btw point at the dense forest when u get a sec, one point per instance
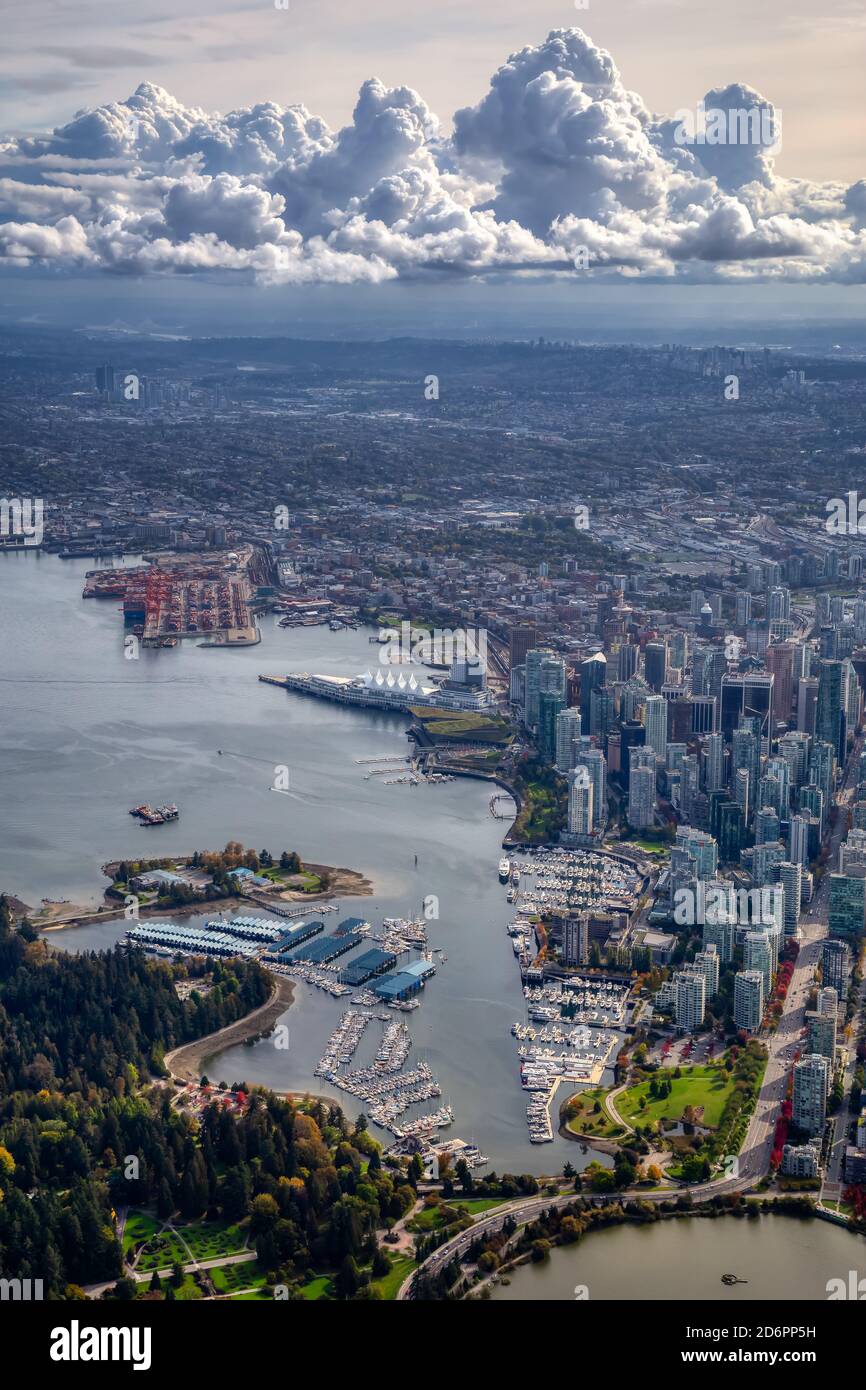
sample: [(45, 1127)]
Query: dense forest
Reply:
[(82, 1093)]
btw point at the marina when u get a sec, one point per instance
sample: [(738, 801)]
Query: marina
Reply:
[(302, 951), (573, 880), (569, 1035), (579, 999), (409, 847), (342, 1042), (386, 1090), (416, 774), (402, 934), (323, 977), (579, 1058)]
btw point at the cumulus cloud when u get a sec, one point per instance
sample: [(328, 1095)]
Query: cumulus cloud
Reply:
[(561, 135), (558, 165)]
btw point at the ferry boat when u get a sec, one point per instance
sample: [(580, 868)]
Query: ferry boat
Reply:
[(504, 869)]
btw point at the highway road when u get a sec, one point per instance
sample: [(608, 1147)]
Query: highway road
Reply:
[(526, 1209)]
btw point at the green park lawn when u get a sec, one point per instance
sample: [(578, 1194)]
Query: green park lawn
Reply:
[(595, 1125), (247, 1282), (232, 1278), (161, 1252), (205, 1240), (316, 1287), (433, 1218), (841, 1208), (187, 1292), (475, 1205), (139, 1226), (208, 1240), (706, 1087), (388, 1285)]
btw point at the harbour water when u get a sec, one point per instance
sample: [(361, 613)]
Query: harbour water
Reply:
[(85, 734), (781, 1258)]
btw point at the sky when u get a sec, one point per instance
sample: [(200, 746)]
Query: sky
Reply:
[(357, 147), (807, 58)]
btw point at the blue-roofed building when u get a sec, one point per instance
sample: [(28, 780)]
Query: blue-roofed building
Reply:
[(402, 984), (294, 935), (421, 969), (350, 925), (326, 948), (167, 937), (396, 987), (368, 966), (247, 876)]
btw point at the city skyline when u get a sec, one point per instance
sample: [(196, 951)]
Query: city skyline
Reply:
[(433, 672)]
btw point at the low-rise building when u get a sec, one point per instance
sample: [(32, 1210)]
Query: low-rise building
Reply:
[(800, 1160), (855, 1165)]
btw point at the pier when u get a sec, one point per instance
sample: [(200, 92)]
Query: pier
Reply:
[(385, 1088), (301, 910)]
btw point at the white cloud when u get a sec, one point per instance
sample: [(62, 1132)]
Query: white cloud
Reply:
[(21, 242), (557, 157)]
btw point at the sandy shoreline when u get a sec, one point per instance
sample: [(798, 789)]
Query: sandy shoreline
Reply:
[(344, 883), (187, 1063), (88, 917)]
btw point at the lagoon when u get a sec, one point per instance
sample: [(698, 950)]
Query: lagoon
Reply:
[(781, 1257)]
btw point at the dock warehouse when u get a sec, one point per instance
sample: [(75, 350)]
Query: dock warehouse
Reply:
[(293, 936), (189, 939), (159, 878), (406, 981), (249, 928), (349, 925), (367, 966), (326, 948)]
